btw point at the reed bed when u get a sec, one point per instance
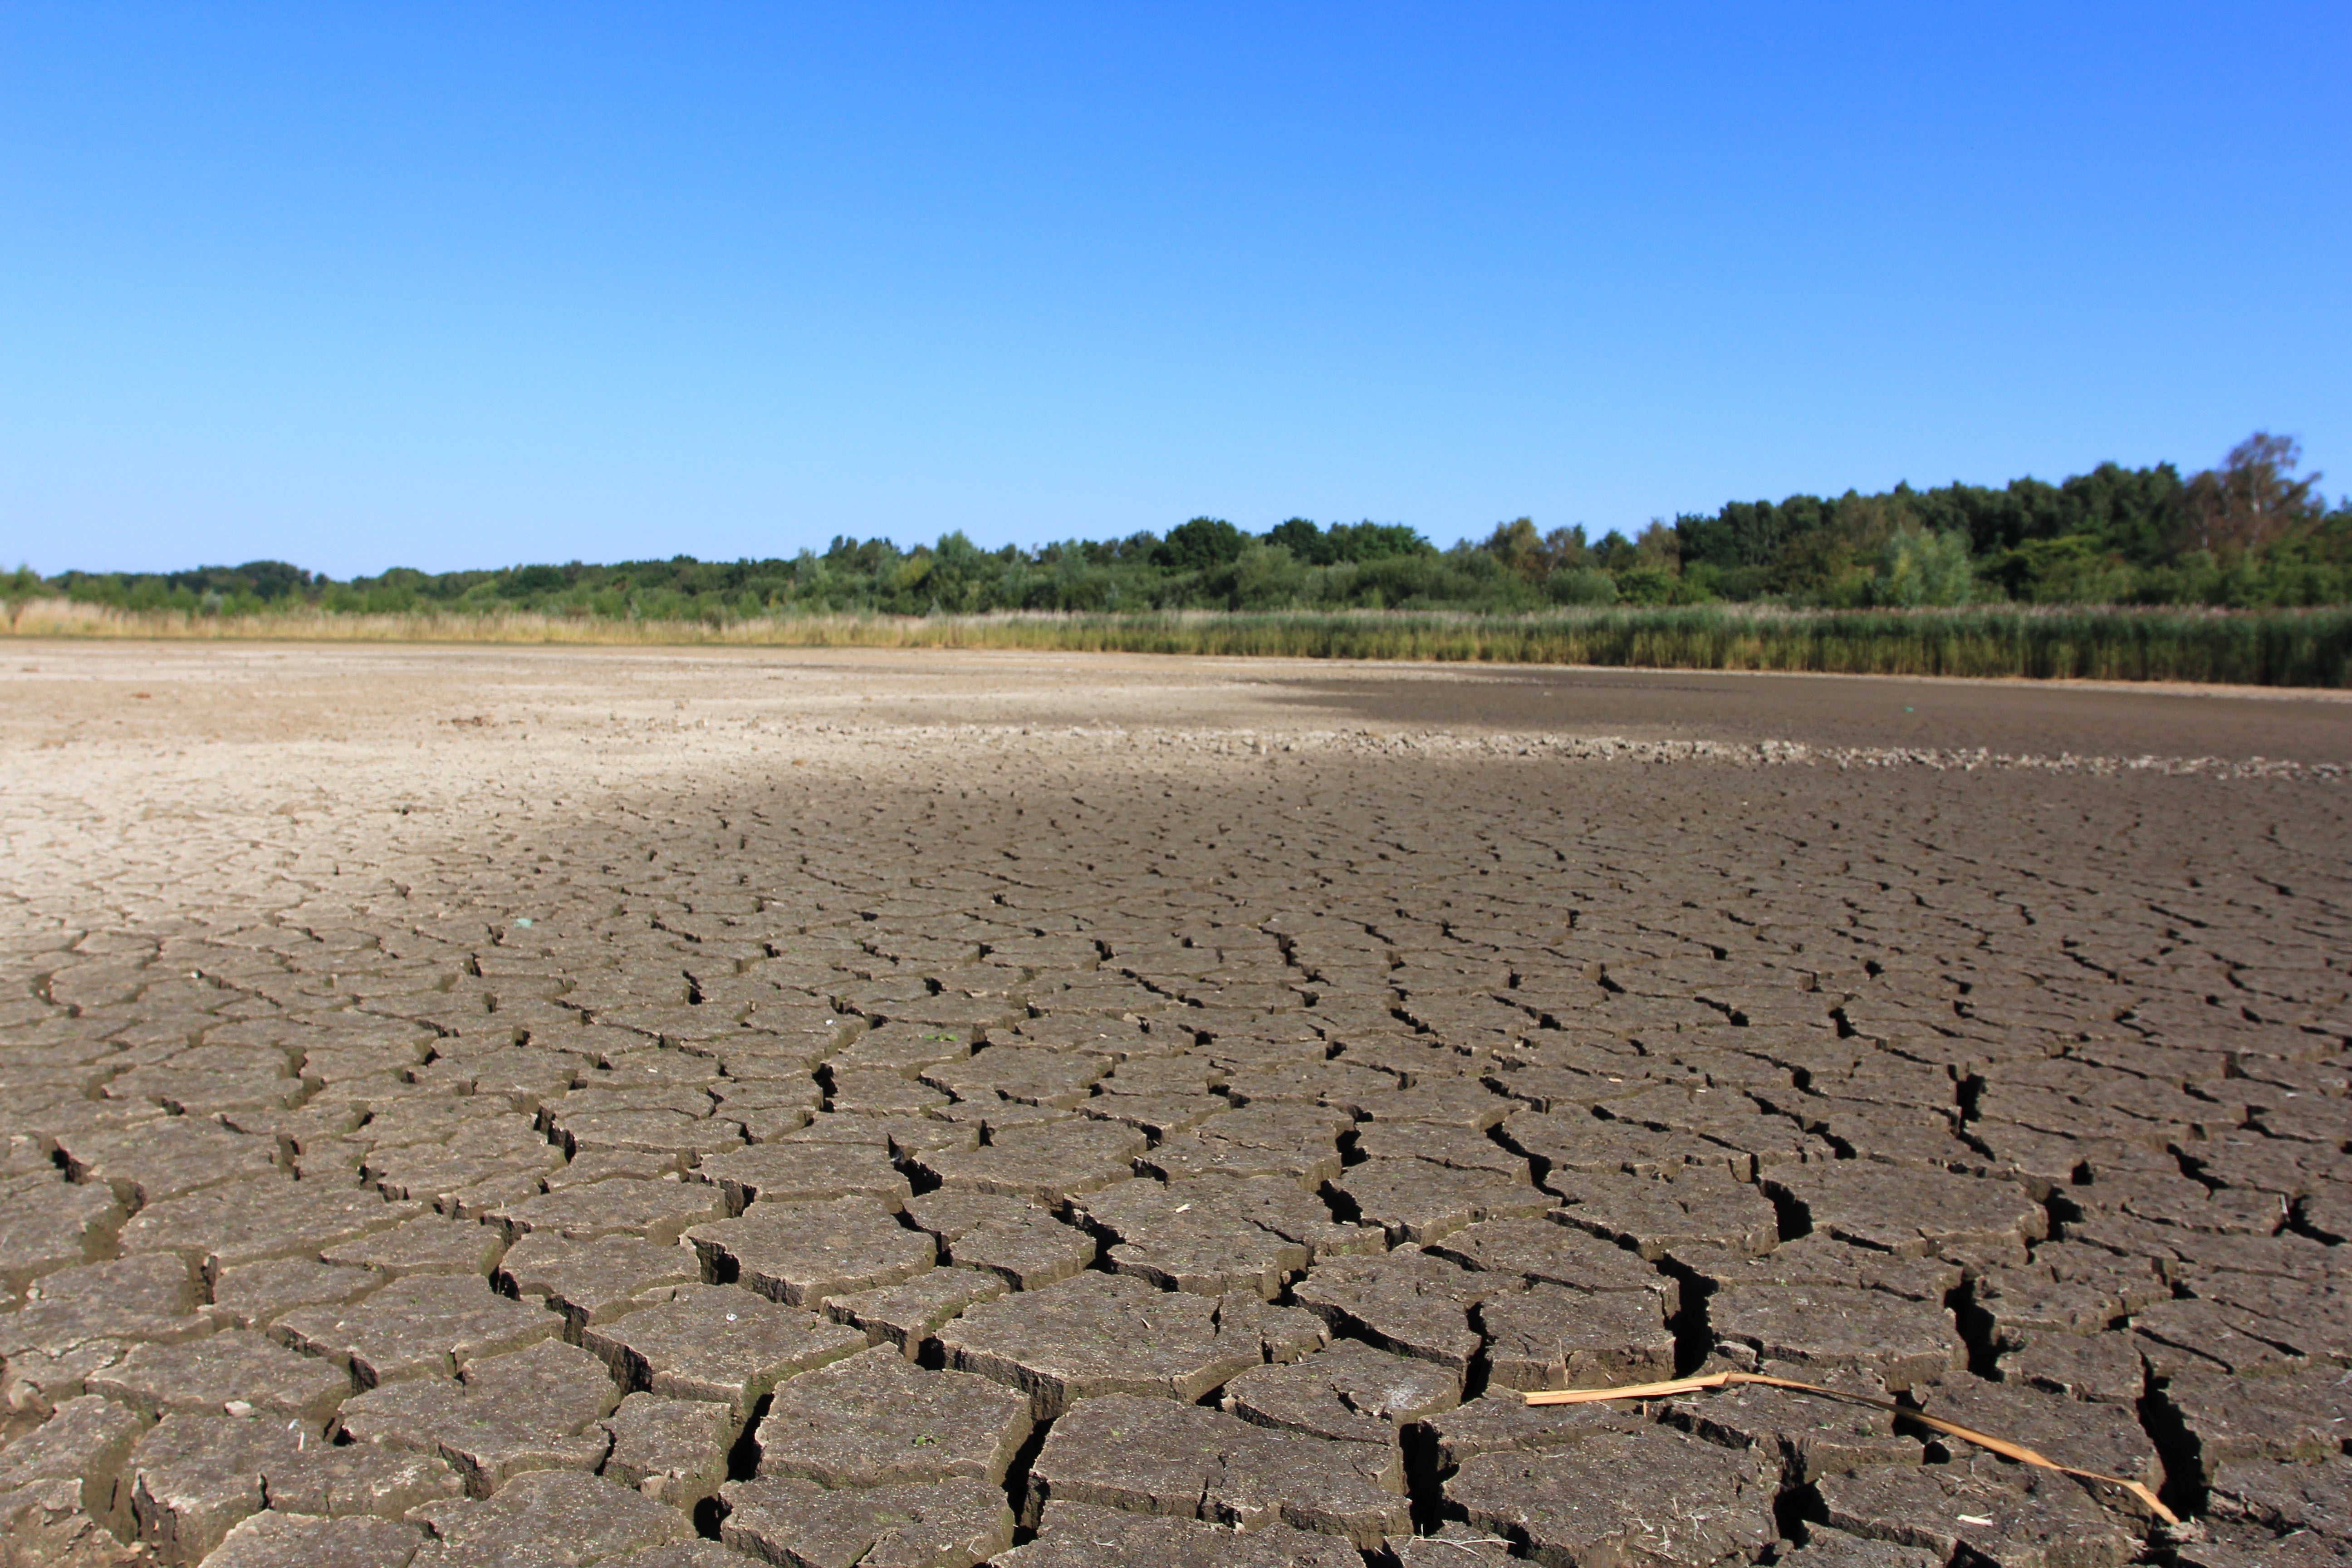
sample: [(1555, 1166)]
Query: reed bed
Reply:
[(2253, 647)]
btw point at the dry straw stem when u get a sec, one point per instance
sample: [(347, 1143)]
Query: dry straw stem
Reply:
[(2001, 1446)]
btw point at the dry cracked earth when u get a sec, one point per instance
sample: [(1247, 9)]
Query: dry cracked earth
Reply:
[(654, 1109)]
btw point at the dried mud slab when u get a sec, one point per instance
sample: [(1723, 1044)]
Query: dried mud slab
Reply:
[(1100, 1334), (1347, 1392), (591, 1518), (1649, 1494), (1158, 1457), (801, 1252), (1209, 1237), (949, 1524), (415, 1327), (671, 1450), (718, 1343), (874, 1419), (1078, 1535), (2004, 1513), (910, 1316), (1410, 1304), (804, 1173)]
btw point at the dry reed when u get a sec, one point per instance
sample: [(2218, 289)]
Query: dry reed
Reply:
[(2267, 647)]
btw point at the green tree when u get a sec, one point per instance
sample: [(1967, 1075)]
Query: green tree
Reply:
[(18, 588), (1304, 541), (1200, 545), (2072, 569), (1811, 562), (2254, 498), (1370, 541), (1917, 566), (1659, 549), (1646, 585), (1519, 548), (1532, 556)]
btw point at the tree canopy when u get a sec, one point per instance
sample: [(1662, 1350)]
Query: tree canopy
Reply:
[(2253, 531)]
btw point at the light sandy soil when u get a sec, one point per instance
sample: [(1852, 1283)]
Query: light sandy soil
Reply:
[(240, 743), (276, 693)]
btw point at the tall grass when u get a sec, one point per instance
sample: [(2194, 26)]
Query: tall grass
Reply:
[(2256, 648)]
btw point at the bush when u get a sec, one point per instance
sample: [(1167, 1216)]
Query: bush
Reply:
[(1582, 586), (1265, 576), (1918, 567), (1646, 585)]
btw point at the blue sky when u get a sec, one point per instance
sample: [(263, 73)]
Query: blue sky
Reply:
[(460, 286)]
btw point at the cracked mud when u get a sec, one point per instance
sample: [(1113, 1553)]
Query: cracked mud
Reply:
[(941, 1110)]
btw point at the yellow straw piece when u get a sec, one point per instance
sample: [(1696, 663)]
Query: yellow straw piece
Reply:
[(2001, 1446)]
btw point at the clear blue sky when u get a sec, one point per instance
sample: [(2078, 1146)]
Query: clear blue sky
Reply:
[(358, 285)]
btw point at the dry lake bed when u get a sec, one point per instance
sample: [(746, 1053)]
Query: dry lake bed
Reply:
[(914, 1109)]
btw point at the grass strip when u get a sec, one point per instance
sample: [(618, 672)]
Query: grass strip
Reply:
[(2311, 647)]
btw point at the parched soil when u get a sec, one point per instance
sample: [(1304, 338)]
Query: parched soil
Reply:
[(598, 1106)]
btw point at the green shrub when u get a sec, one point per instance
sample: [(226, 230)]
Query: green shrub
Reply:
[(1916, 568)]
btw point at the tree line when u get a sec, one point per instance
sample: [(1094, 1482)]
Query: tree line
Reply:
[(2252, 532)]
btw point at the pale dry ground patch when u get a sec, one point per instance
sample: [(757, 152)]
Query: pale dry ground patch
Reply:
[(255, 768), (218, 758)]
